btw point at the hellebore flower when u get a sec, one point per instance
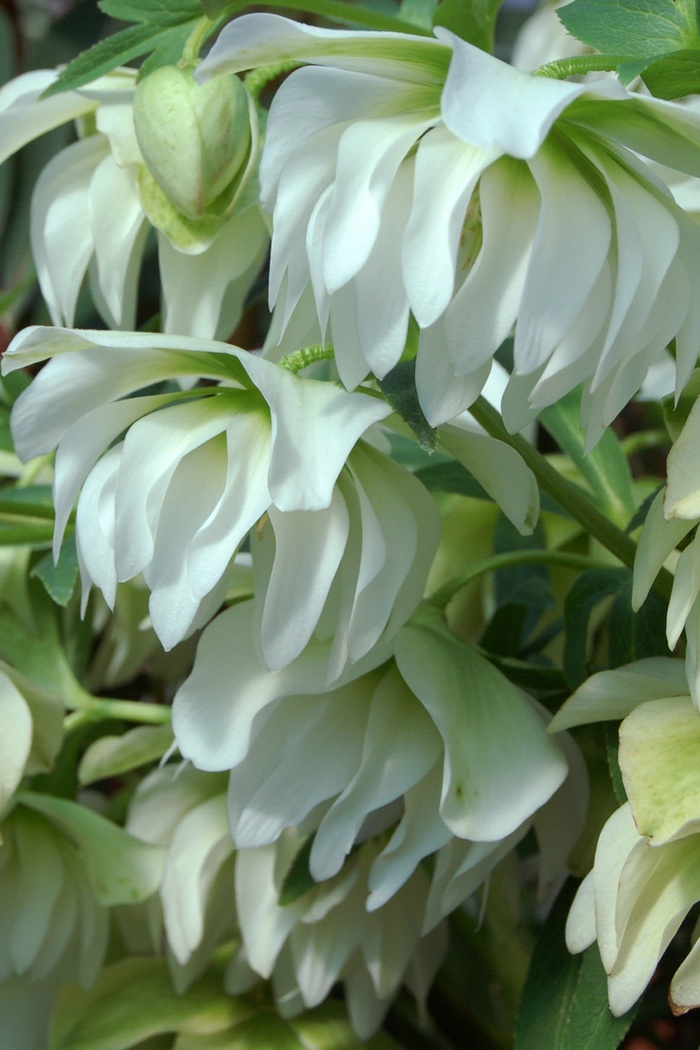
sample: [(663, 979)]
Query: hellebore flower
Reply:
[(437, 746), (646, 875), (95, 201), (674, 514), (194, 471), (326, 934), (356, 145)]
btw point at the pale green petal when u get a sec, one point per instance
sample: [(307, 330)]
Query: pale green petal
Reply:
[(659, 748), (265, 926), (15, 738), (619, 843), (122, 870), (684, 993), (686, 587), (580, 922), (662, 891), (657, 541), (500, 470), (263, 39), (614, 694), (499, 763), (199, 847), (683, 490)]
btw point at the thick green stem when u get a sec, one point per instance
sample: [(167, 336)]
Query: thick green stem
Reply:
[(99, 708), (259, 78), (507, 559), (190, 54), (579, 65), (569, 497), (301, 359), (26, 535), (24, 509)]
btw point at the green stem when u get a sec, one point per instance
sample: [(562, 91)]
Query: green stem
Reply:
[(301, 359), (99, 708), (190, 53), (24, 535), (444, 595), (258, 79), (579, 65), (569, 497)]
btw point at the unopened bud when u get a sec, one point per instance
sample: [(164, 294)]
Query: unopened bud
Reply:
[(194, 138)]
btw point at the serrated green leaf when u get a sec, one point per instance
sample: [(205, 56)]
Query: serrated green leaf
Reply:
[(59, 579), (605, 467), (674, 75), (133, 1000), (122, 869), (565, 1001), (636, 28), (110, 756), (161, 28), (473, 20), (399, 388)]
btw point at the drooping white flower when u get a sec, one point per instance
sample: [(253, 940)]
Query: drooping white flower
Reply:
[(646, 875), (356, 144), (95, 202), (195, 471), (436, 748), (325, 934)]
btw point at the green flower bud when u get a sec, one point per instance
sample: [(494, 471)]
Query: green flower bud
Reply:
[(195, 139)]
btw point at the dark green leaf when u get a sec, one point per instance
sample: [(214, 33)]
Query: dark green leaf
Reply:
[(565, 1003), (59, 579), (605, 467), (298, 879), (631, 635), (473, 20), (636, 28), (674, 75), (399, 388), (611, 750), (418, 12)]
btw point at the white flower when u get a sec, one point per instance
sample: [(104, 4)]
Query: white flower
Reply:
[(646, 875), (356, 146), (93, 205), (325, 935), (436, 746), (196, 470), (184, 812)]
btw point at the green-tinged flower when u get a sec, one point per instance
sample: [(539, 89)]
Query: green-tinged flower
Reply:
[(357, 143), (31, 731), (646, 875), (673, 515), (434, 749), (96, 200)]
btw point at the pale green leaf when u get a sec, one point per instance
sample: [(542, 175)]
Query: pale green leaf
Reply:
[(122, 869), (111, 756)]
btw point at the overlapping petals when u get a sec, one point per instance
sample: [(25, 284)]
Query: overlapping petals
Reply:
[(172, 482), (436, 746), (356, 143), (646, 875), (90, 215)]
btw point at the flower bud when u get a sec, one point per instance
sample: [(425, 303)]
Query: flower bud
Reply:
[(195, 139)]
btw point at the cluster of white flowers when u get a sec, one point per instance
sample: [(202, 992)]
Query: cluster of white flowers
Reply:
[(354, 770)]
